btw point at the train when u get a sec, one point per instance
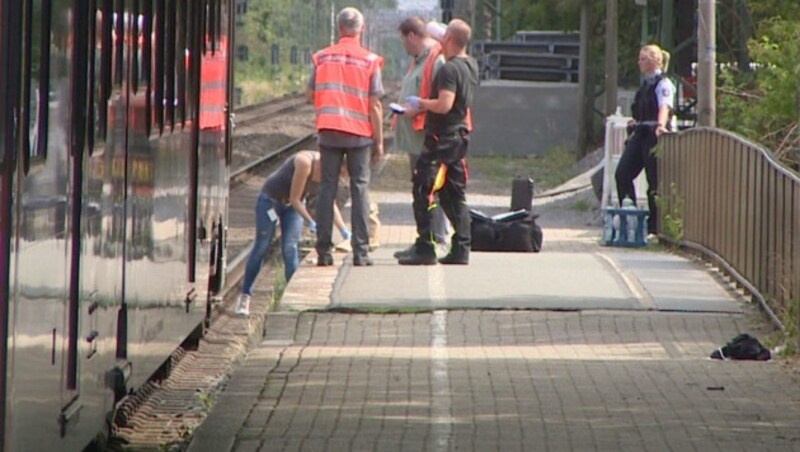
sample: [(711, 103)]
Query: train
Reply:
[(114, 180)]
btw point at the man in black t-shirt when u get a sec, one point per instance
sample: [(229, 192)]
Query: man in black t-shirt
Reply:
[(441, 169)]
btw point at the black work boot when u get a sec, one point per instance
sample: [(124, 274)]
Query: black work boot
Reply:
[(404, 253), (325, 260), (455, 257), (362, 260), (420, 255)]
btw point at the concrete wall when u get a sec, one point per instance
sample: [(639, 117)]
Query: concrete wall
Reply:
[(524, 118)]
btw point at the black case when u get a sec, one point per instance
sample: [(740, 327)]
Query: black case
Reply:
[(522, 194)]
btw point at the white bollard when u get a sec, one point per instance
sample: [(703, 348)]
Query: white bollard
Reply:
[(616, 134)]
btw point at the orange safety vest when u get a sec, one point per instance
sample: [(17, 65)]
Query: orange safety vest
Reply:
[(213, 75), (418, 121), (341, 87)]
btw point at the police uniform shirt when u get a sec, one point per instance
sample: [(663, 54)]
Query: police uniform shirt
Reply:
[(665, 91)]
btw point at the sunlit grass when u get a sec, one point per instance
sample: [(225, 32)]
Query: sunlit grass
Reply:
[(490, 174)]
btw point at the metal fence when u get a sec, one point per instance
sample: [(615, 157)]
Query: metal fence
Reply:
[(741, 208), (531, 56)]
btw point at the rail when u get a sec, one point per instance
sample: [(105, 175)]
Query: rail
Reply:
[(253, 114), (741, 208)]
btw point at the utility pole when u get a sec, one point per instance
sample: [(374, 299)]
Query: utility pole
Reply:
[(586, 87), (706, 63), (612, 65), (497, 17), (333, 23), (447, 10)]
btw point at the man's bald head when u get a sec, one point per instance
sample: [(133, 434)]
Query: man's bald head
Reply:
[(459, 32)]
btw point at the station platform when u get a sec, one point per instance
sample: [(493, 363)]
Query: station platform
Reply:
[(579, 347)]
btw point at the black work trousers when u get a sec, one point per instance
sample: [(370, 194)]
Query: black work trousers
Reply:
[(638, 155), (442, 154)]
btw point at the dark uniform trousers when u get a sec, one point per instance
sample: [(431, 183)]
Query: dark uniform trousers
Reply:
[(638, 155), (450, 152)]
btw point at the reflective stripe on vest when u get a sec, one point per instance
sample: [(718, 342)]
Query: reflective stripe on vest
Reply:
[(341, 87), (212, 95)]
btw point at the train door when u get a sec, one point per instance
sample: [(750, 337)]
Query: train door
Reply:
[(9, 39), (55, 343), (160, 180)]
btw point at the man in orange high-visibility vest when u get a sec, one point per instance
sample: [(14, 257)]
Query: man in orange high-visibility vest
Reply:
[(345, 87), (442, 169), (427, 58)]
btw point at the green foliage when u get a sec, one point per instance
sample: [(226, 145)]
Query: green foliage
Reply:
[(284, 25), (764, 10), (671, 207), (762, 104), (791, 321), (581, 205)]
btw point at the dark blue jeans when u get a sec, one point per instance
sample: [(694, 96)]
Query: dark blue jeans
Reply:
[(268, 213)]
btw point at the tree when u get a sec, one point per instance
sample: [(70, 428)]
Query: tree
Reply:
[(282, 34), (762, 104)]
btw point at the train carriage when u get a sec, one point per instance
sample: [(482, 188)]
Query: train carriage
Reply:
[(113, 198)]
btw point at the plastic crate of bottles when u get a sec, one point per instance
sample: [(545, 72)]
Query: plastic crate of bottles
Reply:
[(625, 226)]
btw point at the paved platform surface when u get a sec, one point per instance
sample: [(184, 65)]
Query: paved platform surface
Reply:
[(579, 347)]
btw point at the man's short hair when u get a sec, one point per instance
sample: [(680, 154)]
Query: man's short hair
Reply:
[(460, 33), (350, 21), (413, 24)]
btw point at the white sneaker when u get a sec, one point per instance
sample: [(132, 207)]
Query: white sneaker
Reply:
[(243, 305)]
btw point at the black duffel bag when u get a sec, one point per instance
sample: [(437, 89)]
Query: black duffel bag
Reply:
[(515, 231)]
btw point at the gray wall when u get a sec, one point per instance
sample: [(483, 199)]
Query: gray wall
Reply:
[(524, 118)]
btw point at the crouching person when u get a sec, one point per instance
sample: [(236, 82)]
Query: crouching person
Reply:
[(282, 201)]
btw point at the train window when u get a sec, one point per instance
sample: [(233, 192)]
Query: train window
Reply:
[(27, 76), (147, 59), (169, 66), (79, 113), (91, 48), (28, 108), (118, 34), (36, 81), (194, 22), (104, 39), (158, 76), (136, 45), (180, 62), (213, 27)]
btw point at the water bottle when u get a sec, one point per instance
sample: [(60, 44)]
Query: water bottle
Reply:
[(608, 229), (615, 235), (632, 219)]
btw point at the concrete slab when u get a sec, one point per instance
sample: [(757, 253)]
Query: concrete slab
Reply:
[(677, 284), (554, 280)]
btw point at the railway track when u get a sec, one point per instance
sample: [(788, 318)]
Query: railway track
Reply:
[(254, 114)]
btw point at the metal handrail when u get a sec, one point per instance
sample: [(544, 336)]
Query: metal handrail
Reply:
[(741, 208)]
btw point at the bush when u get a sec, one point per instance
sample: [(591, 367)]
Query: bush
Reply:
[(762, 103)]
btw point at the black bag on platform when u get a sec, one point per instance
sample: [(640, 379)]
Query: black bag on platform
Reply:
[(522, 194), (514, 231)]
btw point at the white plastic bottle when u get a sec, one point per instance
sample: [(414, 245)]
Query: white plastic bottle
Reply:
[(632, 219), (608, 228)]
